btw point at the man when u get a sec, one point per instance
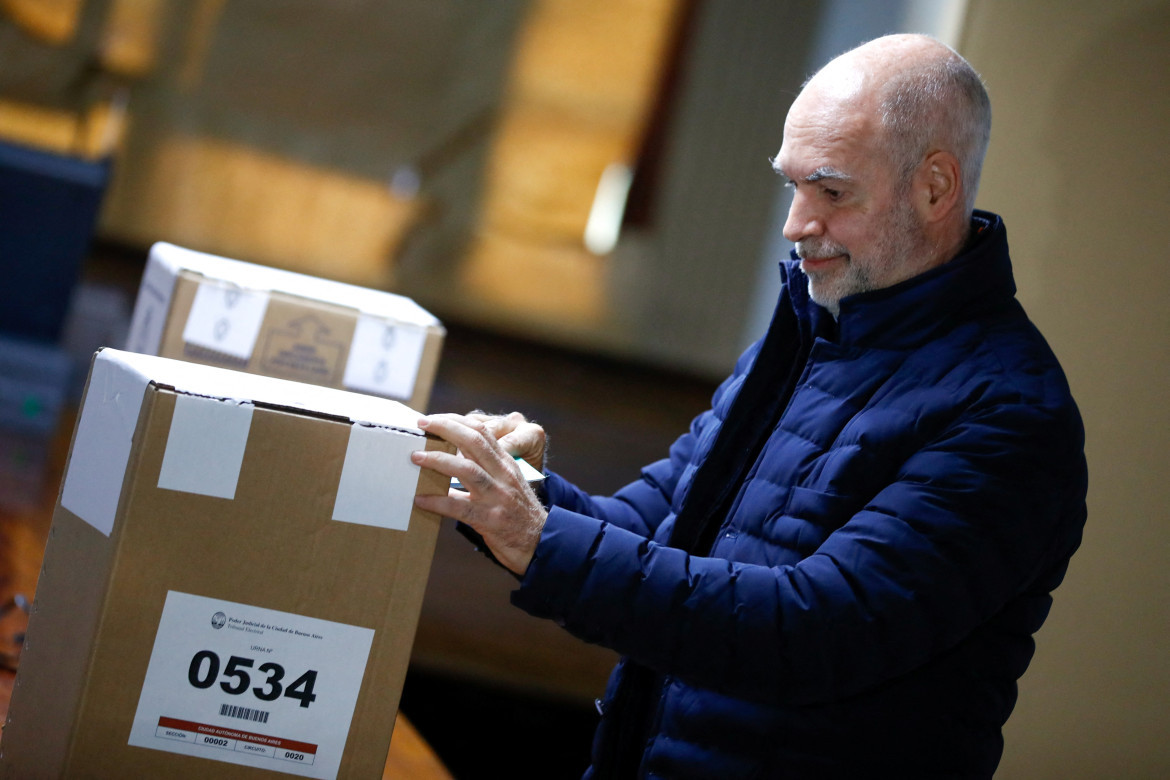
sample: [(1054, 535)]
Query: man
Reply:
[(838, 570)]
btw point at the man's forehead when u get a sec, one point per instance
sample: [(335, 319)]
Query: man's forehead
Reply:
[(830, 148), (826, 135)]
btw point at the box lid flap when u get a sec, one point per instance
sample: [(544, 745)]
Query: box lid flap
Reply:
[(258, 277), (223, 383)]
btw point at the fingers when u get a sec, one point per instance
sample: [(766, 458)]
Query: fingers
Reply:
[(469, 473), (528, 441), (499, 426), (464, 431), (455, 504), (483, 459), (516, 435), (498, 503)]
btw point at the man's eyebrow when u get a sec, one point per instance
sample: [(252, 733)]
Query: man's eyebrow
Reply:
[(825, 172), (828, 172)]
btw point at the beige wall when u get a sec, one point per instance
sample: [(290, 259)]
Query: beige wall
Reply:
[(1079, 168)]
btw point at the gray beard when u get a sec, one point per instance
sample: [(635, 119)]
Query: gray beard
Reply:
[(900, 244)]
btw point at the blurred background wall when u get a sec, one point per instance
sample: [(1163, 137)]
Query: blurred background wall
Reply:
[(1079, 168), (594, 176)]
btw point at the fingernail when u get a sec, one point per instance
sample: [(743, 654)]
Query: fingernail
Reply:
[(424, 422)]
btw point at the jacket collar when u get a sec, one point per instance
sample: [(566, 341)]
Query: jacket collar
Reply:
[(910, 312)]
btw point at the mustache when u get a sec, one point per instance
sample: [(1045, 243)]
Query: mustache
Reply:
[(817, 248)]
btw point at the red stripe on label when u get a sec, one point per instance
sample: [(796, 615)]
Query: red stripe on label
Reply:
[(245, 736)]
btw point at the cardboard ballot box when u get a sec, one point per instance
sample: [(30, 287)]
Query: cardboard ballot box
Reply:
[(231, 584), (212, 310)]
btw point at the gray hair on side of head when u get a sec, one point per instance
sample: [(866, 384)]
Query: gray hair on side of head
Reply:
[(940, 104)]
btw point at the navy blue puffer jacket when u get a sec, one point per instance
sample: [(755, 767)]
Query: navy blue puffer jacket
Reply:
[(869, 547)]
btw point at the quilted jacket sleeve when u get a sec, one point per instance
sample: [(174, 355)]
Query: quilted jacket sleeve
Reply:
[(987, 512)]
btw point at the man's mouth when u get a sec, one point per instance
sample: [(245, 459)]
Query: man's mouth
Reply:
[(816, 262)]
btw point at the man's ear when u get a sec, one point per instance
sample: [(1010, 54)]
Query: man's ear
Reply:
[(939, 186)]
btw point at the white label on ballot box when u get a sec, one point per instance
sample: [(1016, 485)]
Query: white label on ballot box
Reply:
[(226, 318), (247, 685), (384, 358)]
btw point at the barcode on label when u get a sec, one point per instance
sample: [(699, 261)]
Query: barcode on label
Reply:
[(244, 713)]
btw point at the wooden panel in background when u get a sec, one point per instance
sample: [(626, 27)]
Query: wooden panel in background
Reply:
[(238, 201), (50, 21), (583, 83), (90, 135)]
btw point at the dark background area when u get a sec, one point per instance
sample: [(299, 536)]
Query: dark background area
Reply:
[(480, 730)]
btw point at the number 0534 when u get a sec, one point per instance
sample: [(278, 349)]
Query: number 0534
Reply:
[(236, 678)]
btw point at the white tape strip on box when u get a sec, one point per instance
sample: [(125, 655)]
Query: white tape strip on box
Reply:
[(205, 446), (102, 442), (226, 318), (384, 357), (378, 480)]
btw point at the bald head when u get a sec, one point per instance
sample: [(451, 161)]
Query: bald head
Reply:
[(919, 95)]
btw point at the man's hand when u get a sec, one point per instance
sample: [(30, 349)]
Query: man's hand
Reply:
[(498, 503)]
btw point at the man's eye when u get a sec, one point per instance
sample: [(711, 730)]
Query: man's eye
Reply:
[(832, 194)]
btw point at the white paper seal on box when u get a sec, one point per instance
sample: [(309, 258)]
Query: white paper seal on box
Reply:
[(384, 357), (226, 318), (205, 446), (102, 442), (378, 480)]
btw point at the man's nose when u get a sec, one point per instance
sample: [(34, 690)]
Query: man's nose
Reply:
[(803, 219)]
